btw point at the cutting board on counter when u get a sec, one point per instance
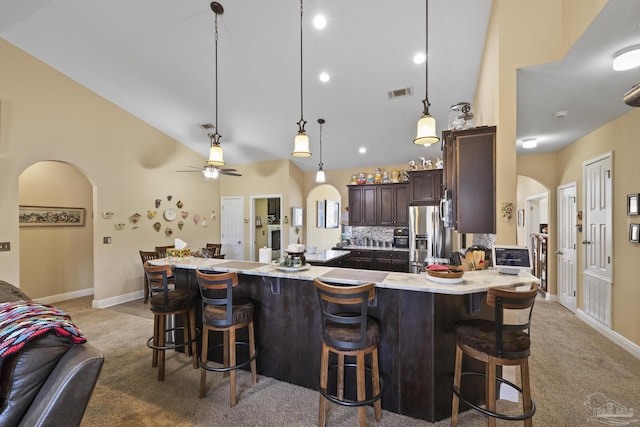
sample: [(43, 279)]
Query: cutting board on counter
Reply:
[(359, 275)]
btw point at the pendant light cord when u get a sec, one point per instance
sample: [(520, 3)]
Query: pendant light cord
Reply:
[(302, 122), (425, 101), (321, 121), (216, 69)]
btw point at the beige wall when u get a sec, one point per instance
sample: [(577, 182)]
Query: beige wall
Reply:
[(45, 116), (321, 238)]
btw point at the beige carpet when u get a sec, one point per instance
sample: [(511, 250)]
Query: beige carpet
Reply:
[(569, 362)]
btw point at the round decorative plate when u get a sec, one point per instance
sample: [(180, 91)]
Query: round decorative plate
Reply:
[(169, 214)]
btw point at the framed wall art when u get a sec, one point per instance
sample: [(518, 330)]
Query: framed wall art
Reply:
[(49, 216), (632, 204), (320, 214), (332, 213)]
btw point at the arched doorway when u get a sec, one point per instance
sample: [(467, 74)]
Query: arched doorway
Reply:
[(56, 258)]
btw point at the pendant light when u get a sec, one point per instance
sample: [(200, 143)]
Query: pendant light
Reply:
[(215, 152), (426, 134), (301, 142), (320, 177)]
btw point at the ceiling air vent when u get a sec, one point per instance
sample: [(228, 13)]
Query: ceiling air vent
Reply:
[(632, 97), (208, 127), (398, 93)]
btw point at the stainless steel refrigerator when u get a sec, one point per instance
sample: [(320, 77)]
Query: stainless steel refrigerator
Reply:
[(429, 240)]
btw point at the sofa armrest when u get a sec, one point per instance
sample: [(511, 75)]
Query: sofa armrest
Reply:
[(64, 396)]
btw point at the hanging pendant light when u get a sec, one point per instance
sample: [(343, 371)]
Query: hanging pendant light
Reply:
[(426, 134), (320, 177), (215, 152), (301, 142)]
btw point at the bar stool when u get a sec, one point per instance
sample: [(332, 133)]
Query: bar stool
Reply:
[(146, 256), (348, 331), (497, 343), (166, 302), (221, 313)]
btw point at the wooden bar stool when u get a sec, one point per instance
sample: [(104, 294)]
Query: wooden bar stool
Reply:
[(166, 302), (497, 343), (221, 313), (348, 331), (146, 256)]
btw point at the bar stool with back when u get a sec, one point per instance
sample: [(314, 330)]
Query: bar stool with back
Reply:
[(166, 302), (220, 312), (162, 250), (497, 343), (348, 331), (146, 256)]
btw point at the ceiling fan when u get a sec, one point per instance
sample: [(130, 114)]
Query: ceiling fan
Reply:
[(212, 171)]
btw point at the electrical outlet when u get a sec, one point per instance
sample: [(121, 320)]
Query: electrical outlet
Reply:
[(5, 246), (106, 240)]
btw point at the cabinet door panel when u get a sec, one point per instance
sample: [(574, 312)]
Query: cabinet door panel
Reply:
[(425, 187)]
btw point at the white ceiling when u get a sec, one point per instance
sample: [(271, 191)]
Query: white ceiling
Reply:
[(155, 59)]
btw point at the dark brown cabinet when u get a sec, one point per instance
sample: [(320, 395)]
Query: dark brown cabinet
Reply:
[(392, 261), (392, 204), (362, 259), (379, 260), (362, 205), (470, 178), (379, 204), (425, 187)]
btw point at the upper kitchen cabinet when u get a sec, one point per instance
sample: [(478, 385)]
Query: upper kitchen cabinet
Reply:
[(362, 205), (425, 187), (470, 178), (392, 204)]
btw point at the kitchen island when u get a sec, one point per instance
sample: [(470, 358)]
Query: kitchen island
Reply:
[(417, 319), (328, 258)]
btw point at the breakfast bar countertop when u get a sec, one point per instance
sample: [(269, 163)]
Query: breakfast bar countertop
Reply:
[(472, 281), (325, 256)]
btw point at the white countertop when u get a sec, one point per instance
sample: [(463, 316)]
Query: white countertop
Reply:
[(473, 281), (374, 248), (325, 256)]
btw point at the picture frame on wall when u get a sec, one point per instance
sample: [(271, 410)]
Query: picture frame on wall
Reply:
[(520, 217), (632, 204), (320, 214), (332, 213), (50, 216), (634, 233)]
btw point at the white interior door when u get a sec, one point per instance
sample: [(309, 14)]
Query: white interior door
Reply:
[(597, 176), (567, 246), (232, 227)]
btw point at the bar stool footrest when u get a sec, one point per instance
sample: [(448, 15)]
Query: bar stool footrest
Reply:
[(492, 413), (352, 403), (172, 345), (229, 368)]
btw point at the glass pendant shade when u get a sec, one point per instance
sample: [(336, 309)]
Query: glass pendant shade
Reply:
[(215, 155), (426, 134), (301, 146), (320, 178)]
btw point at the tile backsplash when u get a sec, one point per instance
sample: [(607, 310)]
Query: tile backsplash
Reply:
[(382, 234)]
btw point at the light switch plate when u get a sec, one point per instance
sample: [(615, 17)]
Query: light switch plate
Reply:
[(5, 246)]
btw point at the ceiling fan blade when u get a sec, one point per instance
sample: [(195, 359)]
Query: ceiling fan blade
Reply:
[(190, 171), (222, 172), (228, 170)]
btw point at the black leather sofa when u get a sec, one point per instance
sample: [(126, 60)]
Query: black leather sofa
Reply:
[(49, 382)]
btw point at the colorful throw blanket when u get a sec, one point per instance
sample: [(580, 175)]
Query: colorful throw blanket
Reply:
[(23, 321)]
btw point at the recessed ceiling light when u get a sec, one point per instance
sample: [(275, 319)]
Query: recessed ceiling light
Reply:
[(320, 22), (419, 58), (362, 150), (324, 77), (627, 58), (529, 143)]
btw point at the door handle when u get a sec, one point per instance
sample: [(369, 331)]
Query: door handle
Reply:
[(558, 252), (586, 242)]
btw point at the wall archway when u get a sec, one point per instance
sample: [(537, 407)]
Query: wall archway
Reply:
[(56, 262), (321, 238)]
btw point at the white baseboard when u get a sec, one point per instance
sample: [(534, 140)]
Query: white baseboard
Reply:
[(109, 302), (609, 333), (66, 296)]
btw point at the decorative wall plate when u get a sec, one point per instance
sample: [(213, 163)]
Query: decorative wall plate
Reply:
[(184, 214), (168, 232), (180, 225), (157, 226), (158, 202), (107, 215), (119, 226), (196, 218), (169, 214), (179, 204), (151, 214)]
